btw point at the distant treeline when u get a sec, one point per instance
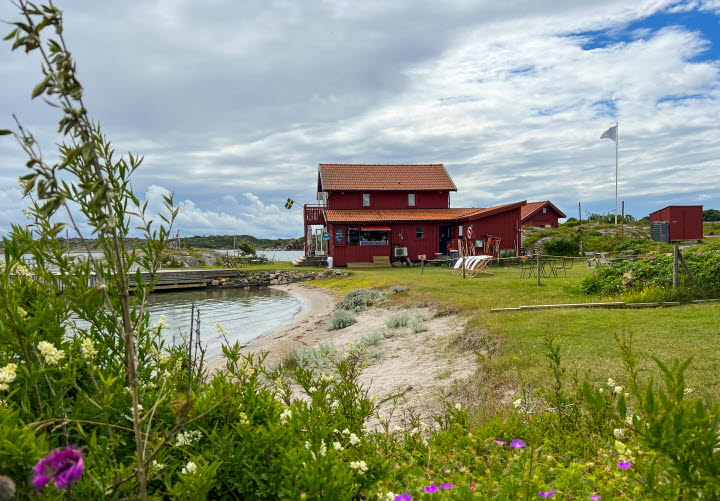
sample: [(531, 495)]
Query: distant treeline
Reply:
[(226, 241), (205, 242)]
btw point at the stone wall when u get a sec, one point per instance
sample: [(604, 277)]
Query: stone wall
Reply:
[(265, 278)]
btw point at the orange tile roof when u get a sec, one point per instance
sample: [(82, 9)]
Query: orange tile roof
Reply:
[(532, 207), (357, 177), (400, 215)]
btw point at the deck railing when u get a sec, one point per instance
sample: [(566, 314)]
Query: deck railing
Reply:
[(314, 214)]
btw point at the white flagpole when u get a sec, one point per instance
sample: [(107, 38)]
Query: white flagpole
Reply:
[(617, 142)]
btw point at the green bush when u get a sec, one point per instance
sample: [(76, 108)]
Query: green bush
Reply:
[(372, 339), (398, 320), (341, 319), (562, 246), (360, 299)]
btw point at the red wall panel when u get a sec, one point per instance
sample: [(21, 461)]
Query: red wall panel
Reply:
[(685, 221), (389, 200)]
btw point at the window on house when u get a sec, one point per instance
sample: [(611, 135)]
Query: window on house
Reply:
[(353, 236), (366, 199), (544, 210), (418, 232), (411, 199), (460, 231)]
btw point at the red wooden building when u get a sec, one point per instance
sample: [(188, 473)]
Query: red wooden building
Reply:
[(541, 214), (685, 222), (399, 211)]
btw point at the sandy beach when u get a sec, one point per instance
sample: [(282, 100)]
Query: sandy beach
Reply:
[(415, 365)]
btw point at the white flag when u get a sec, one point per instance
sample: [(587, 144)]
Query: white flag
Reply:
[(611, 133)]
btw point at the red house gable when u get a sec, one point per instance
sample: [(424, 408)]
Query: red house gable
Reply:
[(345, 186), (540, 214)]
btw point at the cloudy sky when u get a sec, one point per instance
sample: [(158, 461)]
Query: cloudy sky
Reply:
[(233, 104)]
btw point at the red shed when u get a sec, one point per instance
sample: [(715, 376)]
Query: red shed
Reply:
[(685, 222), (541, 214)]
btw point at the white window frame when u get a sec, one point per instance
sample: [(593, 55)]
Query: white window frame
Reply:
[(366, 199), (544, 210), (411, 199)]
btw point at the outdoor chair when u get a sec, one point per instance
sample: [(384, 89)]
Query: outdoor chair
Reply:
[(567, 264), (527, 266), (592, 261), (469, 260), (480, 265)]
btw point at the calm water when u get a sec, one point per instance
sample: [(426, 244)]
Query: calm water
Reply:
[(278, 255), (245, 314)]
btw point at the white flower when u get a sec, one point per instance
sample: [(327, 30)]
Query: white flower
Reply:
[(21, 312), (188, 437), (87, 348), (243, 419), (602, 390), (687, 391), (335, 404), (354, 440), (157, 466), (327, 378), (285, 415), (4, 387), (51, 354), (390, 496), (8, 375), (323, 448), (346, 432), (189, 469), (312, 389), (307, 444), (359, 466), (458, 406), (610, 382), (337, 446), (517, 403), (162, 324), (629, 420), (618, 389), (220, 328), (618, 433)]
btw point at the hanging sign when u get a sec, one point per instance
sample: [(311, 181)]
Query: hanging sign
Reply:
[(326, 235), (339, 235)]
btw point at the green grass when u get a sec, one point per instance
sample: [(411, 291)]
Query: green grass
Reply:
[(586, 337)]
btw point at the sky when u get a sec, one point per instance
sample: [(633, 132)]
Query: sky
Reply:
[(234, 104)]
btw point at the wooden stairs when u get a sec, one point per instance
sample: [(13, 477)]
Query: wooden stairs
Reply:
[(320, 261)]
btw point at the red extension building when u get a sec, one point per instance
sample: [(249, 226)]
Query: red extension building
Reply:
[(684, 222), (540, 214), (398, 211)]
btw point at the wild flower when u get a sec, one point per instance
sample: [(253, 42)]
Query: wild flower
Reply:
[(354, 440), (446, 486), (335, 404), (21, 312), (430, 488), (500, 442), (546, 494), (687, 391), (624, 465), (337, 446), (517, 444), (458, 406), (619, 433), (595, 497), (403, 497), (359, 466), (611, 382), (618, 389), (63, 466), (188, 437), (157, 466), (285, 415), (51, 354), (7, 375), (189, 468), (87, 348), (629, 420), (161, 323), (323, 449), (243, 419), (517, 403), (220, 328)]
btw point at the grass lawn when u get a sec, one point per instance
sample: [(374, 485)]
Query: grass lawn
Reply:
[(586, 336)]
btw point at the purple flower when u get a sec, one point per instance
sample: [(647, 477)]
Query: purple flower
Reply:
[(499, 442), (403, 497), (624, 464), (64, 466), (595, 497), (446, 486), (699, 253), (431, 488), (547, 494), (594, 273), (517, 444)]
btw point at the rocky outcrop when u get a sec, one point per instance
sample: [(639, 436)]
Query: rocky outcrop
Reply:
[(265, 278)]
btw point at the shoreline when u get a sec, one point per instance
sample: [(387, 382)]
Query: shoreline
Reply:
[(318, 305)]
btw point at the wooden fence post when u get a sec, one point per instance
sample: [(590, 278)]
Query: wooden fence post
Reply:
[(537, 258), (676, 250)]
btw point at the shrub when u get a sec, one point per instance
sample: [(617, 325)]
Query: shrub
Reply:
[(395, 289), (562, 246), (418, 325), (372, 338), (341, 319), (360, 299), (398, 320)]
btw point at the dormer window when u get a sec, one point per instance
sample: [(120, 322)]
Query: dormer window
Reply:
[(411, 199), (366, 199), (544, 210)]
